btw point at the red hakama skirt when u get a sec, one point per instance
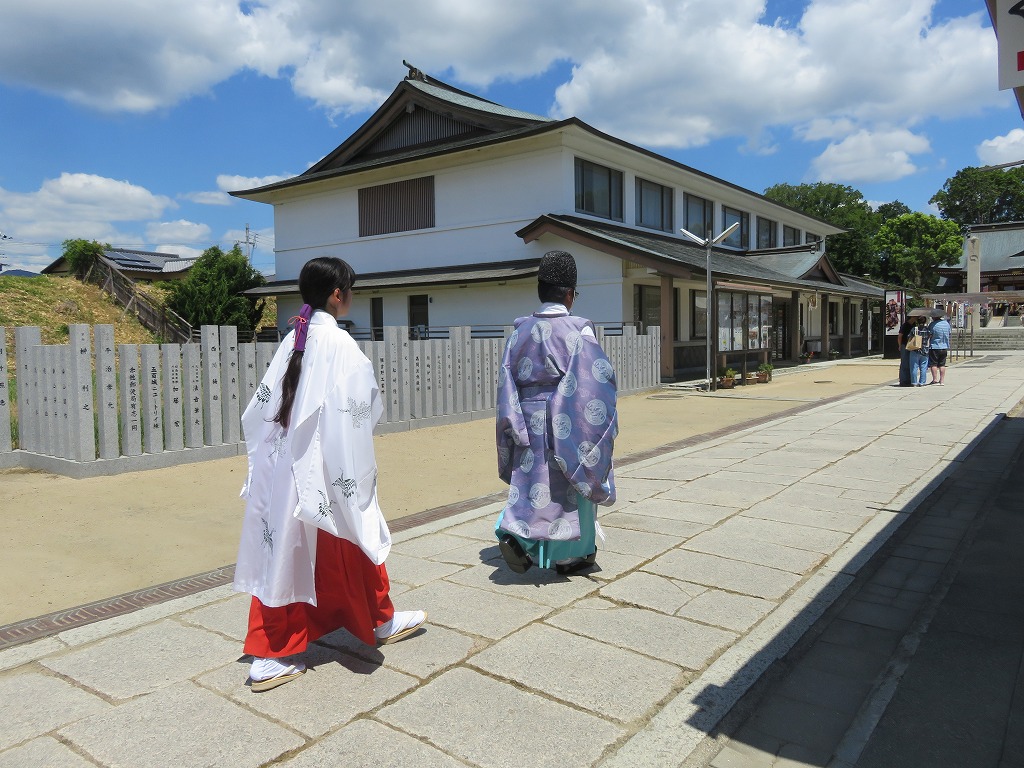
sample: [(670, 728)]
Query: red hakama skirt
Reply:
[(351, 593)]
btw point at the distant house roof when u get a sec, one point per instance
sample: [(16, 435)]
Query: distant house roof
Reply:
[(140, 262)]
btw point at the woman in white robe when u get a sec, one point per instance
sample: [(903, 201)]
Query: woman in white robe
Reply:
[(314, 539)]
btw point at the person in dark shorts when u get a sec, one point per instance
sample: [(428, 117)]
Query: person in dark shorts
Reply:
[(941, 331)]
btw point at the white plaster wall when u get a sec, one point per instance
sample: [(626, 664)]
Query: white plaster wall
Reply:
[(478, 208)]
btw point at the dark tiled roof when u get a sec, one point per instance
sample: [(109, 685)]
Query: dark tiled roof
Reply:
[(724, 264), (412, 278)]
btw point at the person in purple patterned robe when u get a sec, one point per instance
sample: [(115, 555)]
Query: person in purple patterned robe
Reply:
[(556, 428)]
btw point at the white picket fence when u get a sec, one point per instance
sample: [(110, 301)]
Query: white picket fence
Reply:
[(89, 407)]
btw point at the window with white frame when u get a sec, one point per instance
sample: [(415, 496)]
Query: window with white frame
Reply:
[(766, 233), (741, 237), (700, 215), (790, 235), (653, 205), (598, 190)]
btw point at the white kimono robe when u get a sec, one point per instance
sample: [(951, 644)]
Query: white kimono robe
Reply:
[(320, 473)]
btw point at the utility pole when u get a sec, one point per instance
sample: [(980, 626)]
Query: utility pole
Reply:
[(250, 243)]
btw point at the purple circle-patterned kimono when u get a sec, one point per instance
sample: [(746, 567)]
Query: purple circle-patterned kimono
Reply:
[(556, 427)]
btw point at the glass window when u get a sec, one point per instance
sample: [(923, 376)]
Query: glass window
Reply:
[(743, 321), (700, 215), (653, 205), (598, 190), (418, 316), (698, 314), (790, 235), (647, 306), (741, 237), (766, 233), (810, 237)]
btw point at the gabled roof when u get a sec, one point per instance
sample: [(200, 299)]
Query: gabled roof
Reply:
[(1002, 248), (423, 112), (798, 261), (425, 117), (677, 257)]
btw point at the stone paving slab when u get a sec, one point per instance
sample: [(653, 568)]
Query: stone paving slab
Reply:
[(34, 704), (350, 685), (44, 751), (608, 681), (513, 725), (676, 640), (369, 744), (144, 659), (474, 611), (724, 573), (183, 726)]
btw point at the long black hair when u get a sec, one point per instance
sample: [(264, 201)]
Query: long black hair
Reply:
[(317, 281)]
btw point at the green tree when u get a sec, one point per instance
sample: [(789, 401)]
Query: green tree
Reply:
[(887, 211), (211, 293), (81, 255), (982, 196), (913, 246), (841, 206)]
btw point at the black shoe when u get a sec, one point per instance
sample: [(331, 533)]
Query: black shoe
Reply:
[(578, 564), (515, 556)]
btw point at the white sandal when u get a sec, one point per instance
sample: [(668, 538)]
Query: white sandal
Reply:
[(402, 624)]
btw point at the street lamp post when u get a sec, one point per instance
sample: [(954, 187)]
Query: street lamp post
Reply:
[(708, 242)]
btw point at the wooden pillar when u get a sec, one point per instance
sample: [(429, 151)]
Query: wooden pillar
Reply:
[(793, 342), (847, 327), (826, 341), (866, 325), (668, 329)]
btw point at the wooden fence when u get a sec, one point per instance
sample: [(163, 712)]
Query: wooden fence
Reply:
[(89, 400)]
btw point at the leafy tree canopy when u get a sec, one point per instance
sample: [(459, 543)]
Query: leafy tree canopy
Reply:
[(81, 255), (842, 206), (913, 246), (211, 292), (982, 196)]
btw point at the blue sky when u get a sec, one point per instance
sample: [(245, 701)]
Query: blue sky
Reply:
[(127, 122)]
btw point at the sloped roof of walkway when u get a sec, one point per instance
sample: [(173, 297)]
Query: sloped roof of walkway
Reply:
[(672, 256)]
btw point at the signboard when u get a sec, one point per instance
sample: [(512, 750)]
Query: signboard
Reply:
[(895, 312), (960, 319), (1009, 24)]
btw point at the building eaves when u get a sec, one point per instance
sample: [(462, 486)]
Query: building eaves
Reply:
[(416, 153), (672, 250), (461, 274)]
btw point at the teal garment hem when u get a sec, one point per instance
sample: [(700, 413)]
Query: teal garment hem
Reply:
[(546, 553)]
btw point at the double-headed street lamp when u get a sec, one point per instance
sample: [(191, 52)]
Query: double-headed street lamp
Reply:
[(708, 242)]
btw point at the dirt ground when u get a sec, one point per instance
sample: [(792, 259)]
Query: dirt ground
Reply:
[(71, 542)]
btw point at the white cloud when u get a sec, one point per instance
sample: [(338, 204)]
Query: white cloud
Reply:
[(207, 198), (656, 72), (179, 231), (1002, 149), (75, 205), (870, 157), (228, 183), (180, 250)]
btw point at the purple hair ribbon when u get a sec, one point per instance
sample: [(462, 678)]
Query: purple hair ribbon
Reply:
[(301, 323)]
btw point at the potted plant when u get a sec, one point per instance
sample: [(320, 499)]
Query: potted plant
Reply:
[(727, 379), (806, 356), (834, 354), (764, 373)]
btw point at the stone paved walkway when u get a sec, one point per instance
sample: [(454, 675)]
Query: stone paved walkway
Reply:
[(719, 557)]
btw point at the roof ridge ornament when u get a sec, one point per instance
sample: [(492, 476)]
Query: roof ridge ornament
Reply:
[(414, 73)]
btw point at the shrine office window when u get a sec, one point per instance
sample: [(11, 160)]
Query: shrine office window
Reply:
[(741, 237), (653, 205), (700, 215), (598, 190), (790, 235), (766, 233), (397, 207)]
